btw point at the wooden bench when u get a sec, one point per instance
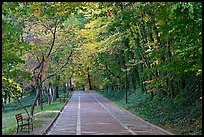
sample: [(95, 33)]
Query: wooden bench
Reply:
[(21, 122)]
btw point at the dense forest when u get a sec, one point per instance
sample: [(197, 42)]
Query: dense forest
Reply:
[(133, 49)]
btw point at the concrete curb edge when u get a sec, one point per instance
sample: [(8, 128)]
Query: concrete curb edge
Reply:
[(55, 118)]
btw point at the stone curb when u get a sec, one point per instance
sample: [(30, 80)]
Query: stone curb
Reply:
[(55, 118)]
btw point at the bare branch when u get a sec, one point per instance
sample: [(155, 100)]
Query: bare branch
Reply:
[(54, 37), (59, 68), (53, 42), (47, 28)]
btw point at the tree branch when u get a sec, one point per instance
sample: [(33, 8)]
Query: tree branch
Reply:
[(141, 53), (53, 42), (59, 68), (54, 36), (47, 27), (19, 102)]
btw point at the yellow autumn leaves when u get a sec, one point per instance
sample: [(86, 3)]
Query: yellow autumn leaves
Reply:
[(10, 84), (37, 12)]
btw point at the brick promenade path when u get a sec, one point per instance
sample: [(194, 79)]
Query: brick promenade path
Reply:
[(88, 113)]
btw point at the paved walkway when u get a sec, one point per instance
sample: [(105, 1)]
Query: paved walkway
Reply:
[(88, 113)]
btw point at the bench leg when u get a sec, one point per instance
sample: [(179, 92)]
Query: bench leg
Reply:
[(28, 128), (17, 128)]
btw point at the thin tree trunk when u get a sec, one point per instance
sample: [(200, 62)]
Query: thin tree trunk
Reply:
[(89, 80), (41, 100), (126, 85), (9, 98), (32, 90), (35, 101), (107, 91), (57, 91), (70, 84), (48, 95), (170, 82), (170, 87), (54, 92), (5, 98), (140, 51), (20, 103)]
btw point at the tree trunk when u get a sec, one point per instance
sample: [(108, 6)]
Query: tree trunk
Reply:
[(107, 90), (64, 90), (21, 95), (5, 98), (9, 98), (170, 87), (152, 95), (201, 84), (70, 84), (169, 79), (57, 91), (41, 99), (48, 95), (126, 86), (3, 108), (20, 103), (32, 90), (35, 101), (54, 92), (89, 80)]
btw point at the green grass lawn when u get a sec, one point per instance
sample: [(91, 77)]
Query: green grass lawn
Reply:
[(47, 115), (9, 121)]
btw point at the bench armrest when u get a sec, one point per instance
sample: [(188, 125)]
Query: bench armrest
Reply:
[(30, 119)]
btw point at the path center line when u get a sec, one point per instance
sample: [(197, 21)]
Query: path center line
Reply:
[(123, 125), (78, 118)]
